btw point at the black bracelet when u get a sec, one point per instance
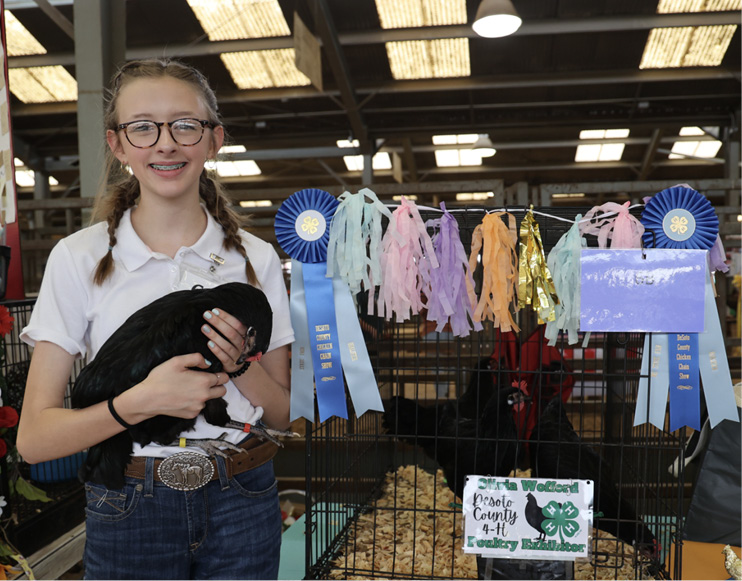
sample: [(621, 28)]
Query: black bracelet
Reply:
[(240, 371), (117, 417)]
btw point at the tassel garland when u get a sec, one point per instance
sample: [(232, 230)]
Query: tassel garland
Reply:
[(535, 285), (500, 269), (405, 245), (452, 297)]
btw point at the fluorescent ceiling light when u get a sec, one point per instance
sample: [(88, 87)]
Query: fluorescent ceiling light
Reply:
[(227, 167), (450, 157), (237, 19), (689, 46), (419, 13), (704, 148), (474, 196), (379, 161), (345, 143), (255, 203), (429, 59), (570, 195), (601, 151), (410, 197), (38, 84), (496, 18)]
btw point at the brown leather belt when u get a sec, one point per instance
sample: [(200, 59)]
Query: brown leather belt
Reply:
[(190, 471)]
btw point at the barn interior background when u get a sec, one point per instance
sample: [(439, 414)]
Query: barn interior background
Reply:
[(573, 66)]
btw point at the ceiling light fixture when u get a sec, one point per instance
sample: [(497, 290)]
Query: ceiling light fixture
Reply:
[(496, 18), (483, 146)]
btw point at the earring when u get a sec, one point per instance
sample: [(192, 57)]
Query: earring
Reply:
[(210, 164)]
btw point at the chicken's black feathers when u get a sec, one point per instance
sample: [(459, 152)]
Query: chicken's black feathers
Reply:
[(474, 434), (167, 327), (558, 452)]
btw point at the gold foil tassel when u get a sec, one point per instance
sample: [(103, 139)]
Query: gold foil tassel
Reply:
[(499, 269), (535, 285)]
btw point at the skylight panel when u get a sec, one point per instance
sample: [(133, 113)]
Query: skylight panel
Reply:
[(689, 46), (417, 13), (237, 19), (429, 59), (261, 69), (425, 59), (35, 84)]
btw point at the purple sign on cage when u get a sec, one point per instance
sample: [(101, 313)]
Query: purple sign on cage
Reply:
[(653, 290)]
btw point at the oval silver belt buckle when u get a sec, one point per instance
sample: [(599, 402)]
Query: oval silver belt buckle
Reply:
[(185, 471)]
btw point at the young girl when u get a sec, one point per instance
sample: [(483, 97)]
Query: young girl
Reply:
[(167, 227)]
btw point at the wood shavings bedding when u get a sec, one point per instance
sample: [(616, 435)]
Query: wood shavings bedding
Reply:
[(414, 532)]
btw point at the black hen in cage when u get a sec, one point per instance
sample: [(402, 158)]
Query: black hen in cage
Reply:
[(386, 488)]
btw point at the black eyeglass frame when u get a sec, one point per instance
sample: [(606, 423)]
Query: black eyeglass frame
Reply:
[(204, 123)]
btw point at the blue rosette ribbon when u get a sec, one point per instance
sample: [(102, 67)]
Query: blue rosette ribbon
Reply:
[(323, 350), (681, 217)]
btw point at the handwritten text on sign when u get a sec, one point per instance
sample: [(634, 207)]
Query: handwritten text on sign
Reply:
[(527, 518)]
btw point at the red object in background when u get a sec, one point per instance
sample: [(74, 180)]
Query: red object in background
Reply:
[(14, 284), (538, 368), (14, 289)]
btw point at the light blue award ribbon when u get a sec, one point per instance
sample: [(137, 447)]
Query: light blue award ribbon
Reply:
[(685, 397), (713, 364), (654, 384), (322, 353), (302, 371)]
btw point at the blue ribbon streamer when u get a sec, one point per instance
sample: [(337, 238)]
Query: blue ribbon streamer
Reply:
[(713, 364), (685, 396), (302, 370), (324, 342)]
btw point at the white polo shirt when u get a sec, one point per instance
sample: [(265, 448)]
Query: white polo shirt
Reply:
[(79, 316)]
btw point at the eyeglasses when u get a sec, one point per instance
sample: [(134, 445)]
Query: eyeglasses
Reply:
[(144, 134)]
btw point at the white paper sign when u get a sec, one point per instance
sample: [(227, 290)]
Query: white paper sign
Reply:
[(527, 518)]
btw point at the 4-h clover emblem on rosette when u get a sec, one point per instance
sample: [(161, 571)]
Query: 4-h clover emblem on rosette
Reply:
[(679, 217), (560, 519)]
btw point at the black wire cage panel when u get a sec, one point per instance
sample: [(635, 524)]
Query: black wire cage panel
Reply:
[(385, 489), (31, 523)]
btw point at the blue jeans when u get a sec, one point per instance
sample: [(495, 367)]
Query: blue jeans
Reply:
[(228, 529)]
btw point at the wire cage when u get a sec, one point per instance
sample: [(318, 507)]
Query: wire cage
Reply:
[(33, 523), (383, 500)]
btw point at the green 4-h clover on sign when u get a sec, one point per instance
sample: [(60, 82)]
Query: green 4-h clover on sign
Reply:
[(560, 519)]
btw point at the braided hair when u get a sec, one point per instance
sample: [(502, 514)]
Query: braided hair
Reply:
[(120, 190)]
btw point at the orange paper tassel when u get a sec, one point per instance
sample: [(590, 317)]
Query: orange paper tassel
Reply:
[(500, 269)]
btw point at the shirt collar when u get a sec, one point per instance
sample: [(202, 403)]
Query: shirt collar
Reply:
[(134, 253)]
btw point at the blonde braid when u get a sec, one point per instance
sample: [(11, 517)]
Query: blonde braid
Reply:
[(218, 206), (123, 197)]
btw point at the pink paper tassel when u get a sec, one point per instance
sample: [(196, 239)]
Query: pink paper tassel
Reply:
[(615, 222), (452, 298), (405, 245)]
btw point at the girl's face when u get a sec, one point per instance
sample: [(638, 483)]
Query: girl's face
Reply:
[(165, 170)]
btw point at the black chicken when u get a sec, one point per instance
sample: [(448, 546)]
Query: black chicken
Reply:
[(557, 451), (535, 515), (165, 328), (475, 434)]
